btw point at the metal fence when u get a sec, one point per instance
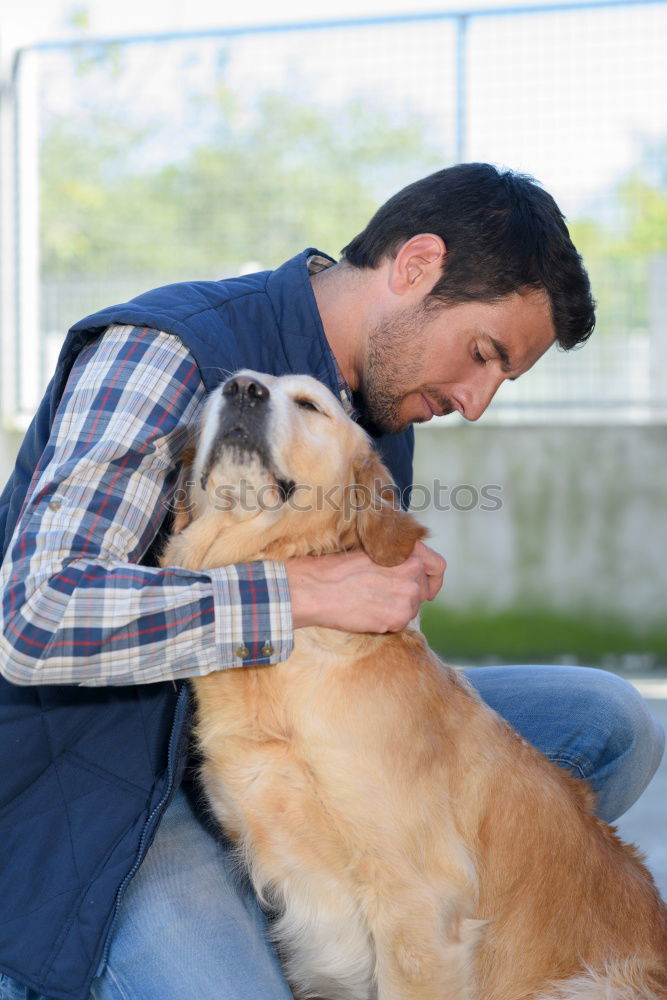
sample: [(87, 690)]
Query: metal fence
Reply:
[(130, 162)]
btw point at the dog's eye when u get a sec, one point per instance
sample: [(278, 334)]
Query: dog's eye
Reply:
[(307, 405)]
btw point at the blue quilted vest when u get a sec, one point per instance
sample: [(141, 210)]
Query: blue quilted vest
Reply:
[(86, 773)]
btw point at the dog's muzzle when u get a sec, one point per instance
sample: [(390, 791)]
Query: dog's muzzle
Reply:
[(243, 427), (243, 414), (244, 391)]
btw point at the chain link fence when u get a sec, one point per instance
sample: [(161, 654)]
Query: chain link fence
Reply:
[(131, 162)]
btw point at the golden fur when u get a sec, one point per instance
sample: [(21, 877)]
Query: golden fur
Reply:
[(413, 846)]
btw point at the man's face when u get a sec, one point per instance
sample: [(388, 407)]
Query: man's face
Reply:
[(431, 359)]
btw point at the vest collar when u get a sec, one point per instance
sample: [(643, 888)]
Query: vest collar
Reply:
[(297, 317)]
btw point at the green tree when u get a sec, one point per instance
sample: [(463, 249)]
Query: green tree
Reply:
[(630, 228), (269, 177)]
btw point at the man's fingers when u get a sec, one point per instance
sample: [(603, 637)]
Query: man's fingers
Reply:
[(434, 563), (350, 592), (434, 567)]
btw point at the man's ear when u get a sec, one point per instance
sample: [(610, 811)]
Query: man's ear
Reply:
[(181, 503), (418, 263), (384, 530)]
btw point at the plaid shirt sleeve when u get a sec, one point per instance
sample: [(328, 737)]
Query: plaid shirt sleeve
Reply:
[(77, 606)]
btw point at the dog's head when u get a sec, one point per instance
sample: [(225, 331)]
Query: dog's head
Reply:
[(281, 455)]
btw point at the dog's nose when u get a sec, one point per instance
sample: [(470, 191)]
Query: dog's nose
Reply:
[(245, 390)]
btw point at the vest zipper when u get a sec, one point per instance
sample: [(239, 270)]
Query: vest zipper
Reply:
[(176, 729)]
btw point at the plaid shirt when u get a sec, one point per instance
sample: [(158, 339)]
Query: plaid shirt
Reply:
[(77, 607)]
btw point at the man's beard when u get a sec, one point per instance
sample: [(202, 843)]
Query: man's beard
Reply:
[(394, 361)]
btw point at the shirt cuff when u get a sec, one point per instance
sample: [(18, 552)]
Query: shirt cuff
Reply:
[(253, 614)]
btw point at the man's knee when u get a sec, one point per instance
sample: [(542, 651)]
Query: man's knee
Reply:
[(632, 747)]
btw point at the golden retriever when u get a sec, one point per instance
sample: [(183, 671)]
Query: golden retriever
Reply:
[(411, 844)]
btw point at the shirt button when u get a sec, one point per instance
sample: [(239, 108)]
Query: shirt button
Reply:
[(243, 652), (55, 504), (267, 649)]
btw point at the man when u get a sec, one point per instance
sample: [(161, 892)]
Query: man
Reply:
[(113, 887)]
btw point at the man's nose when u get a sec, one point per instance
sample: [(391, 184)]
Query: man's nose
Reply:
[(246, 390), (477, 398)]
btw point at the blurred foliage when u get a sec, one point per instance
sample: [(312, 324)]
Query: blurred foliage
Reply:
[(538, 636), (78, 19), (620, 238), (232, 178), (263, 180)]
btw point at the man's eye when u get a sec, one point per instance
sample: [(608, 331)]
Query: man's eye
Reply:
[(478, 357), (306, 404)]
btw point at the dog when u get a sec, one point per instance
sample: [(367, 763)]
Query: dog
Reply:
[(408, 842)]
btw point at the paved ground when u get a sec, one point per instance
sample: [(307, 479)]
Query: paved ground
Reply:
[(646, 823)]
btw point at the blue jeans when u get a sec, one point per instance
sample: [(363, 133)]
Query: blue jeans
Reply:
[(189, 927)]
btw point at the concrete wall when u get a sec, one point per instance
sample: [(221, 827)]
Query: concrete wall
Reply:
[(581, 526)]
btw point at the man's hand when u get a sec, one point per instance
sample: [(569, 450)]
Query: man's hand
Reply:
[(348, 591)]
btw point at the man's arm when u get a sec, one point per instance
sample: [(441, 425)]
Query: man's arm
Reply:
[(77, 607)]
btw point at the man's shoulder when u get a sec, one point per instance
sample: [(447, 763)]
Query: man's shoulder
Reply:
[(169, 307), (190, 297), (174, 307), (266, 320)]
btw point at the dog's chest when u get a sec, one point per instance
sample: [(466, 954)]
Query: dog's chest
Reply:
[(271, 702)]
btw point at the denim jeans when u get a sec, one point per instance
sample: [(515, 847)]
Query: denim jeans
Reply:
[(189, 927)]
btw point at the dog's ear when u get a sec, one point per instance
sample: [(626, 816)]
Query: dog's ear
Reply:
[(385, 531), (181, 503)]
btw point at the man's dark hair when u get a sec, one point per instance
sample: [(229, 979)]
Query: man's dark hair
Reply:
[(503, 232)]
